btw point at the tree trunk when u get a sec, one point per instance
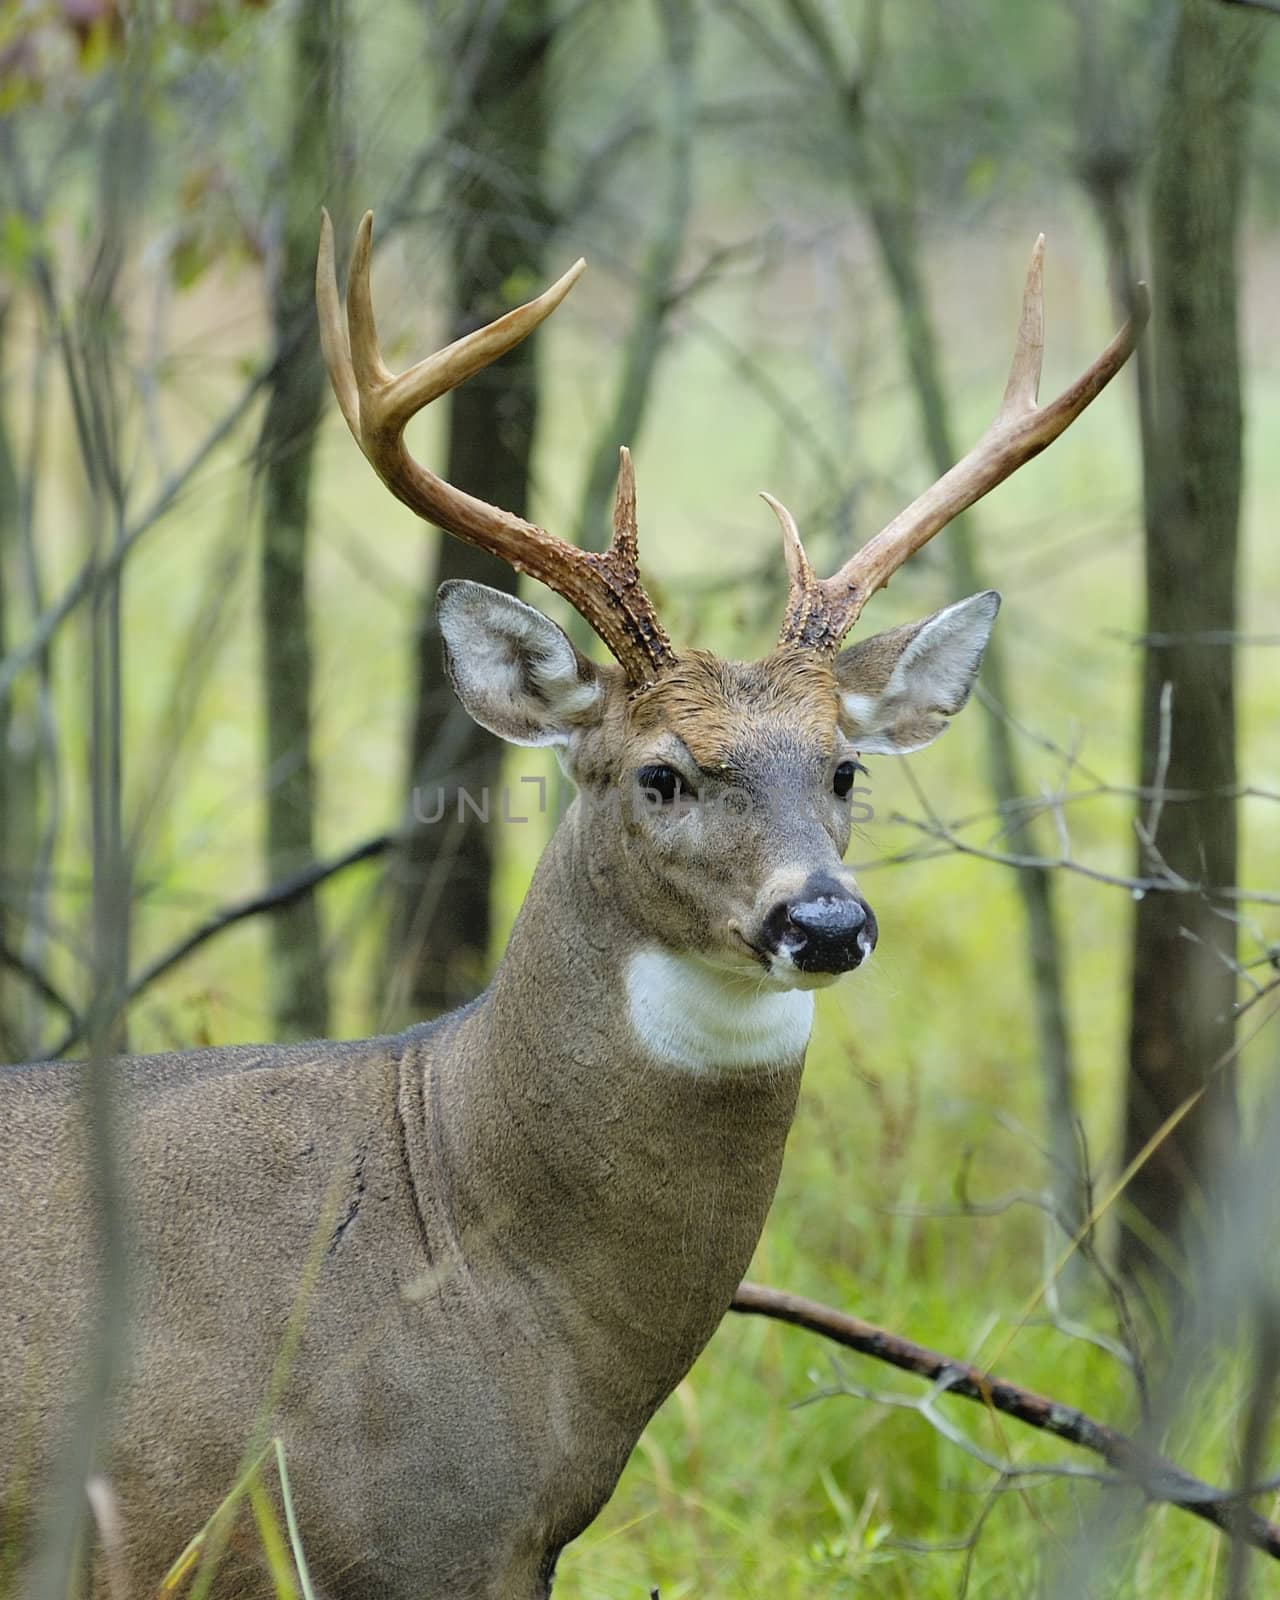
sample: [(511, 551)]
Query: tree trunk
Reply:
[(15, 774), (29, 810), (441, 875), (299, 986), (1184, 945), (657, 279)]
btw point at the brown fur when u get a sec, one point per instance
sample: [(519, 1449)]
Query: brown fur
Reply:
[(713, 705), (522, 1235), (458, 1270)]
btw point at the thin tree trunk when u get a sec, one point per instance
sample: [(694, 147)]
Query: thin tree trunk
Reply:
[(16, 774), (299, 984), (1113, 138), (644, 342), (442, 874), (91, 341), (1184, 947), (29, 782)]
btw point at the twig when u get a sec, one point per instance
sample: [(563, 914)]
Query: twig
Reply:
[(1228, 638), (86, 581), (282, 893), (1147, 831), (1167, 881), (1273, 6), (30, 973), (1159, 1479)]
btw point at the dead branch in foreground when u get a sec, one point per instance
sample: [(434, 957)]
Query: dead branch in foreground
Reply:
[(1158, 1478)]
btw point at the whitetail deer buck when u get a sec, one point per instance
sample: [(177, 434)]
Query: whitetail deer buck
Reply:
[(491, 1246)]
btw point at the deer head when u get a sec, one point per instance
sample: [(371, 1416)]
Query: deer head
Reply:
[(714, 796)]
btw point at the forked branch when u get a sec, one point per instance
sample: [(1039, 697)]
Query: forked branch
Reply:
[(820, 611), (605, 589)]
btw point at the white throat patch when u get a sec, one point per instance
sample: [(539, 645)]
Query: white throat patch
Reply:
[(688, 1015)]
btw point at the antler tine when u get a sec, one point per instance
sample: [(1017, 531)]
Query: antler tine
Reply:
[(821, 611), (377, 404), (437, 374), (334, 344), (1023, 388), (371, 371), (625, 542), (799, 572)]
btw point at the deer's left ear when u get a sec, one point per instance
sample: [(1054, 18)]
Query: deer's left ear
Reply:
[(898, 689)]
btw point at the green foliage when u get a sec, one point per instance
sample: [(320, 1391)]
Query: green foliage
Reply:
[(18, 243)]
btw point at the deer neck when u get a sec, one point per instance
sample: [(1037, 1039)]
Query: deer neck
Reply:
[(580, 953), (584, 975), (621, 1112)]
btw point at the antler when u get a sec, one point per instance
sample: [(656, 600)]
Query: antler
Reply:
[(820, 611), (605, 589)]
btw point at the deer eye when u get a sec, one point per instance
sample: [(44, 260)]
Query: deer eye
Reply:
[(842, 779), (663, 785)]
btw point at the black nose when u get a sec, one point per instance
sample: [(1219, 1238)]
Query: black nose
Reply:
[(825, 929)]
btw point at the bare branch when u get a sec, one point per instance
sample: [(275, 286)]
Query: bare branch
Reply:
[(31, 974), (1159, 1479), (283, 893), (87, 580), (1273, 6), (1162, 880)]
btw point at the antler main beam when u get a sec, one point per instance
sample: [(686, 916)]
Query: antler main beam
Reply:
[(605, 589), (820, 611)]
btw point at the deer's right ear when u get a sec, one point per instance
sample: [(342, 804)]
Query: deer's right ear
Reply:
[(515, 672)]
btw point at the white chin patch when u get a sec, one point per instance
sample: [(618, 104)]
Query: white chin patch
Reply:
[(690, 1015), (784, 974)]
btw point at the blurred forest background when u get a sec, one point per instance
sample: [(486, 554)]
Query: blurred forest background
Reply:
[(224, 729)]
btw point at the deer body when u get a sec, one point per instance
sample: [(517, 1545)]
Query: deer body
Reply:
[(457, 1271), (518, 1250)]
